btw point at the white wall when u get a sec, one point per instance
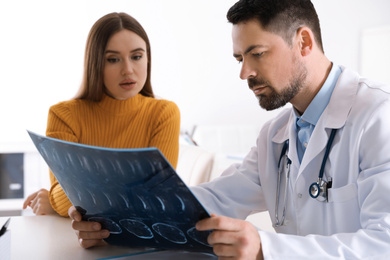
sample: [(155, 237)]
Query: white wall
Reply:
[(373, 63), (42, 44)]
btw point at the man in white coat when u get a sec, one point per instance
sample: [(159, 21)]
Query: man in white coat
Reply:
[(343, 214), (321, 168)]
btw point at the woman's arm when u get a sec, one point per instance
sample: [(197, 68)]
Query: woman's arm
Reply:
[(60, 125), (166, 131)]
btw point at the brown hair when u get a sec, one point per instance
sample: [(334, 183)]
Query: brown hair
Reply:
[(92, 86), (283, 17)]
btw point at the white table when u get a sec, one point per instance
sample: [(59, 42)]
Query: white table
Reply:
[(52, 237)]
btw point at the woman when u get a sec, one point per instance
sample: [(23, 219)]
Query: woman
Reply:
[(115, 106)]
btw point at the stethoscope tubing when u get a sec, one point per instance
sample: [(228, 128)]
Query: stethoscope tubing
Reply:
[(327, 151), (280, 172), (317, 184)]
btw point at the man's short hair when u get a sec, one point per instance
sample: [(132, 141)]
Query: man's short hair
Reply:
[(282, 17)]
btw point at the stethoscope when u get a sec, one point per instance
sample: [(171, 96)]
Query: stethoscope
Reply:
[(317, 190)]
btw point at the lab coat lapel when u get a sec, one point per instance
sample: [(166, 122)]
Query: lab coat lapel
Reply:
[(333, 117), (320, 136), (288, 132)]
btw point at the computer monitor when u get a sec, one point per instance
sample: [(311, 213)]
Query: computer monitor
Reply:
[(11, 175)]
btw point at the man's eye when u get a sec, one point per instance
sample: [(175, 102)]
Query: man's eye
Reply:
[(258, 54)]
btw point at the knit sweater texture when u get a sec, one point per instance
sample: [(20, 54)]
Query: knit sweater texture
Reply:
[(137, 122)]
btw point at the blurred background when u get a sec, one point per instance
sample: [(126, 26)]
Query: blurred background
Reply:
[(42, 44)]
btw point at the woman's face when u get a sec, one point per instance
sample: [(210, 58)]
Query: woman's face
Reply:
[(125, 65)]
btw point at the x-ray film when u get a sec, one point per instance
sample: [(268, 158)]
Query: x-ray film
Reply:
[(134, 193)]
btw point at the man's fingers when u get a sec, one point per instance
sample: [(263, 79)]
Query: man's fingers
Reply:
[(222, 251), (221, 237), (218, 223)]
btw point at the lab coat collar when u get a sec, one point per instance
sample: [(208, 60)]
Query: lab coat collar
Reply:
[(334, 117), (282, 134), (343, 97), (335, 114), (286, 132)]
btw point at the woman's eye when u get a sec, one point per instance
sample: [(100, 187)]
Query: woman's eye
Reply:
[(112, 60), (136, 57)]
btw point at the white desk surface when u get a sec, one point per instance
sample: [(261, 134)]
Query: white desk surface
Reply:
[(52, 237)]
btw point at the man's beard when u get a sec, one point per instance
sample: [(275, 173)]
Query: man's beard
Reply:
[(276, 100)]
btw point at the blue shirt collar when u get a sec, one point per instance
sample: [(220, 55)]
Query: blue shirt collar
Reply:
[(321, 100)]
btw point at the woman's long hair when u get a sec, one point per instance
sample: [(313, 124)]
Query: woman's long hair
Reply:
[(92, 86)]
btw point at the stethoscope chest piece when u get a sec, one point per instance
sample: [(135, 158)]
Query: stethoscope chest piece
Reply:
[(319, 190)]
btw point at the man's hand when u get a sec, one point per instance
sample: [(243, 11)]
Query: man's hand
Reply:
[(39, 203), (232, 238), (90, 234)]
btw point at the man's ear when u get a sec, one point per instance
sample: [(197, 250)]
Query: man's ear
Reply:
[(305, 40)]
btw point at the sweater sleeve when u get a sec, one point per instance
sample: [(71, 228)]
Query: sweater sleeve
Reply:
[(166, 131), (60, 126)]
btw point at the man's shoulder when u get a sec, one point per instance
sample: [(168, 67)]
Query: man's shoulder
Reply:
[(364, 86), (375, 87)]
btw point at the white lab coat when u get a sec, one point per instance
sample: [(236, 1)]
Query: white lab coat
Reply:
[(355, 222)]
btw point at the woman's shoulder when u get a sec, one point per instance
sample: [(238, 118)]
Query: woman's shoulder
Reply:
[(69, 105), (160, 103), (161, 109)]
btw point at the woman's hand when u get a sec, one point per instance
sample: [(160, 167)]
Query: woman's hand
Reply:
[(39, 202), (89, 234)]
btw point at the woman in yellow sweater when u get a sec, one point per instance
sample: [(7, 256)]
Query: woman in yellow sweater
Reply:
[(115, 106)]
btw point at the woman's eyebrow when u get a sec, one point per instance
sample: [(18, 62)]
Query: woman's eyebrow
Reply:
[(116, 52), (138, 49)]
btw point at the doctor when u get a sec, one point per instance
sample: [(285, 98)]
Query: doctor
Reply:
[(339, 125), (321, 168)]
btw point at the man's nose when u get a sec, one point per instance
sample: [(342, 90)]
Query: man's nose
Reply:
[(246, 71)]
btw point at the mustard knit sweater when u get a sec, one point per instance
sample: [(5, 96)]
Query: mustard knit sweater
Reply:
[(138, 122)]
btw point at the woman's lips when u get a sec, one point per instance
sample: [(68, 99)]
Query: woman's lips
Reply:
[(127, 84)]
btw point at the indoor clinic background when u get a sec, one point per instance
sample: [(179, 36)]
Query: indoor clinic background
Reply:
[(41, 64)]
